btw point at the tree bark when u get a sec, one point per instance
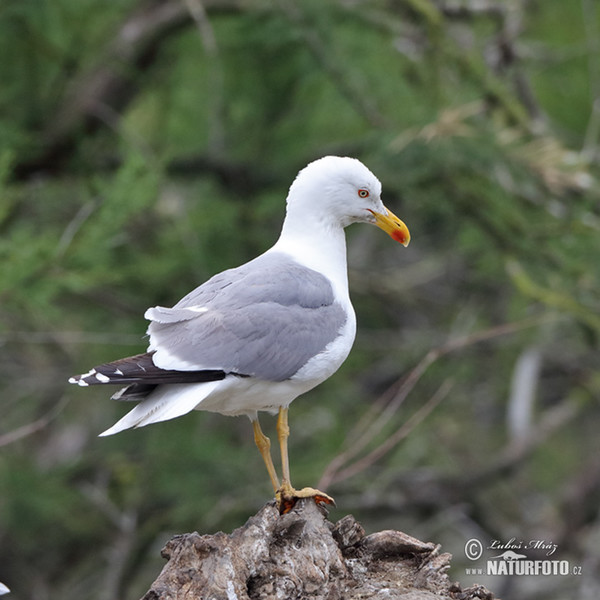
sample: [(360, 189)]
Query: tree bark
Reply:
[(302, 555)]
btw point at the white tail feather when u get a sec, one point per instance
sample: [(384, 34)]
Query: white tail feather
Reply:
[(166, 402)]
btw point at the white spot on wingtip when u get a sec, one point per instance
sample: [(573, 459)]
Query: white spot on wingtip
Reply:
[(102, 378), (82, 383), (88, 374), (73, 380), (118, 372)]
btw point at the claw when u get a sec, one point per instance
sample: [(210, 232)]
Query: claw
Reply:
[(287, 497)]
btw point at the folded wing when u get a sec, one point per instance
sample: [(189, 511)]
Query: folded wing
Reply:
[(265, 319)]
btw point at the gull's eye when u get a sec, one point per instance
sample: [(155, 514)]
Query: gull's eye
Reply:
[(363, 193)]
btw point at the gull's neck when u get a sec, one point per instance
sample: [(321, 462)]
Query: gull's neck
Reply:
[(318, 244)]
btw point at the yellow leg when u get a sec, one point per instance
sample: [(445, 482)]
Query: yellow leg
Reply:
[(283, 433), (263, 443), (286, 495)]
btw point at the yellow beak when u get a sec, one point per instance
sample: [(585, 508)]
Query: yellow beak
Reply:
[(393, 226)]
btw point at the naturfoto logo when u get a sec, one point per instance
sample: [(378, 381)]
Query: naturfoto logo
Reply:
[(514, 559)]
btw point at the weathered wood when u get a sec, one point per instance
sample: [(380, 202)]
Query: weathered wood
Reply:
[(302, 555)]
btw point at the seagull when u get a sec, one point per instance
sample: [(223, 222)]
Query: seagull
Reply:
[(255, 337)]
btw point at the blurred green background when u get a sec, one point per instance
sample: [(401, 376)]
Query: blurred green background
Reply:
[(145, 146)]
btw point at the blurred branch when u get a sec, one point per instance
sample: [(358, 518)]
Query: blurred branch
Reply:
[(589, 9), (73, 226), (432, 491), (555, 299), (469, 9), (450, 122), (33, 427), (373, 422), (72, 337), (216, 76), (240, 177), (390, 442), (109, 87), (504, 54), (342, 77), (518, 450), (125, 524), (523, 388), (579, 503)]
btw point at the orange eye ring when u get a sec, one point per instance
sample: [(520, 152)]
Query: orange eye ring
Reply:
[(363, 193)]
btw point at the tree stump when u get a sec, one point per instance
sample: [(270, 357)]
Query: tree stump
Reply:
[(301, 555)]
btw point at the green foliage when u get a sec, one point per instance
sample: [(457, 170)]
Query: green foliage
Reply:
[(179, 169)]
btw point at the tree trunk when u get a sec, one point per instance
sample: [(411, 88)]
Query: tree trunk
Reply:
[(301, 555)]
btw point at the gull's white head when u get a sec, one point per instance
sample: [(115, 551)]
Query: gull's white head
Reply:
[(339, 191)]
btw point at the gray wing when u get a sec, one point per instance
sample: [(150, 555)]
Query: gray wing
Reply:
[(265, 319)]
